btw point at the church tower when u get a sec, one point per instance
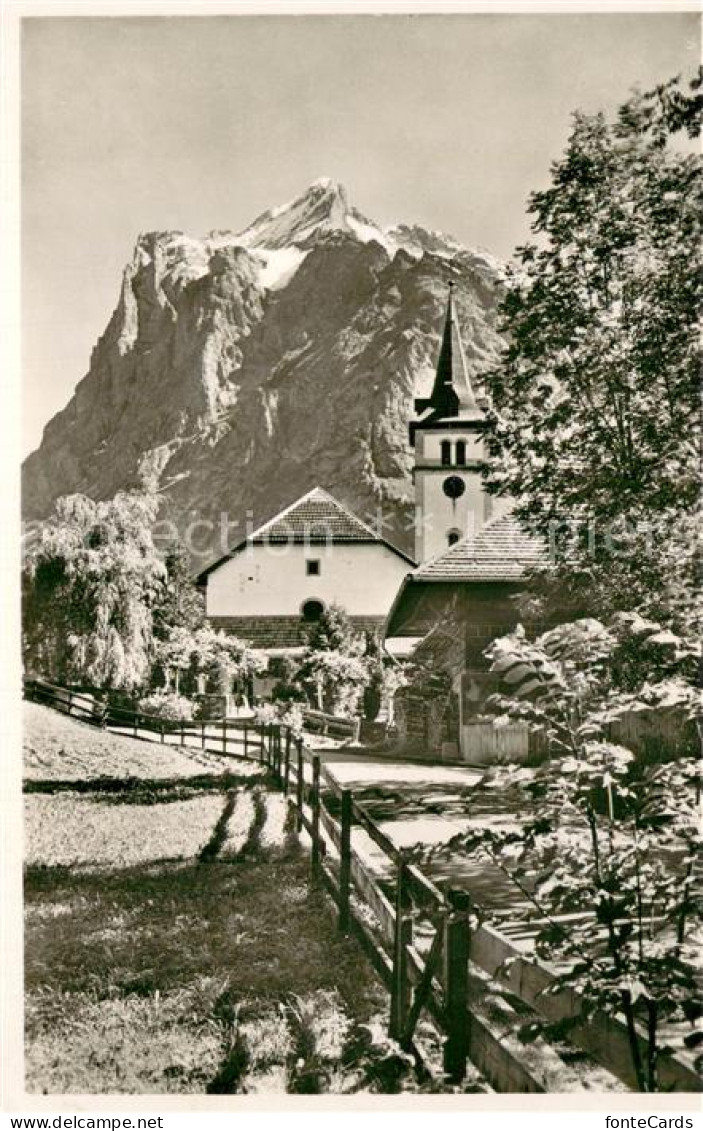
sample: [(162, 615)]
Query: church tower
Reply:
[(447, 436)]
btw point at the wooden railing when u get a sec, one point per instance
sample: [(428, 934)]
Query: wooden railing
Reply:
[(332, 726), (435, 956), (424, 941), (234, 738)]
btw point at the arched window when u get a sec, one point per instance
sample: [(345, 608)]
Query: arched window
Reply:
[(461, 453), (312, 610), (453, 536), (446, 453)]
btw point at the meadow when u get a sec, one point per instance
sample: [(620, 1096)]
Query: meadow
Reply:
[(174, 942)]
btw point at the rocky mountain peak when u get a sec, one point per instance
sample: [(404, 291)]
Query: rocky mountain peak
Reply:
[(249, 366), (323, 208)]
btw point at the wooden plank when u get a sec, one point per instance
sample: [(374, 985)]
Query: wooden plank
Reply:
[(402, 940), (603, 1037), (377, 836), (331, 827), (299, 784), (420, 882), (456, 955), (330, 780), (345, 876), (503, 1069), (423, 988), (315, 805), (362, 877)]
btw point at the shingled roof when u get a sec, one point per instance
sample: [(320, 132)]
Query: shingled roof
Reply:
[(315, 519), (501, 551)]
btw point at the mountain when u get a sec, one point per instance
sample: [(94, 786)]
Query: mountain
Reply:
[(246, 368)]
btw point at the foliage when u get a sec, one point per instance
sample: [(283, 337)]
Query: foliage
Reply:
[(332, 671), (373, 692), (91, 581), (167, 705), (181, 604), (174, 653), (222, 659), (332, 632), (335, 679), (604, 834), (596, 416)]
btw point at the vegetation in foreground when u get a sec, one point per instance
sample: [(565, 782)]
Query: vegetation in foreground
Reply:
[(174, 944)]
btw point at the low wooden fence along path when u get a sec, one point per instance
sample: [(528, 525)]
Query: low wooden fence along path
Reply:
[(480, 987)]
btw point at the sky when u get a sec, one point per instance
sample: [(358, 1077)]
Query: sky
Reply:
[(200, 123)]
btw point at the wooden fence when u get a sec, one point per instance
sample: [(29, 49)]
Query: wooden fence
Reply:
[(332, 726), (234, 738), (430, 950)]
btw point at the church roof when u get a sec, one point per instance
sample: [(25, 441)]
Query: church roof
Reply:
[(317, 518), (501, 551), (452, 393)]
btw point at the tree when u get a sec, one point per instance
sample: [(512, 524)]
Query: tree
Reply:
[(174, 654), (605, 833), (224, 660), (373, 692), (333, 632), (595, 414), (90, 584), (181, 603), (332, 668)]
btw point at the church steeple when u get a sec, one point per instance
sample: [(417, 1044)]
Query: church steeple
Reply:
[(452, 394), (447, 436)]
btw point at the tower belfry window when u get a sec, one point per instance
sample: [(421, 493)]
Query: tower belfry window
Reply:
[(461, 453), (446, 449)]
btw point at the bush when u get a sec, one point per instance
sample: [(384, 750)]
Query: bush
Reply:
[(167, 705)]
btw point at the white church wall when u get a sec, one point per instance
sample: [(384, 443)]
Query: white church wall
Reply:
[(429, 445), (271, 580), (439, 515)]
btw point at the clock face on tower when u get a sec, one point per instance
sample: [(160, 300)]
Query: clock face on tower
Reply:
[(453, 487)]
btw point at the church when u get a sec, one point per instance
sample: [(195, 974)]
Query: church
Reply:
[(471, 555), (315, 553), (468, 546)]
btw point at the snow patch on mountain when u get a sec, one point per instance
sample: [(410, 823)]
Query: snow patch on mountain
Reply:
[(278, 266)]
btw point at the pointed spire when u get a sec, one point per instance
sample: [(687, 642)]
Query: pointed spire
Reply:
[(451, 393)]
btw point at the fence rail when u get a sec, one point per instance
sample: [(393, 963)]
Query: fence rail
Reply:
[(238, 738), (332, 726), (423, 940)]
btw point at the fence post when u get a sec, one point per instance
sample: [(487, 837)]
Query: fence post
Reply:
[(403, 938), (262, 746), (286, 772), (246, 739), (456, 951), (224, 736), (300, 787), (345, 860), (202, 733), (162, 732), (183, 732), (136, 724), (315, 814)]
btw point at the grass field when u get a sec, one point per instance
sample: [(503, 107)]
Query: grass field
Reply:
[(173, 941)]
